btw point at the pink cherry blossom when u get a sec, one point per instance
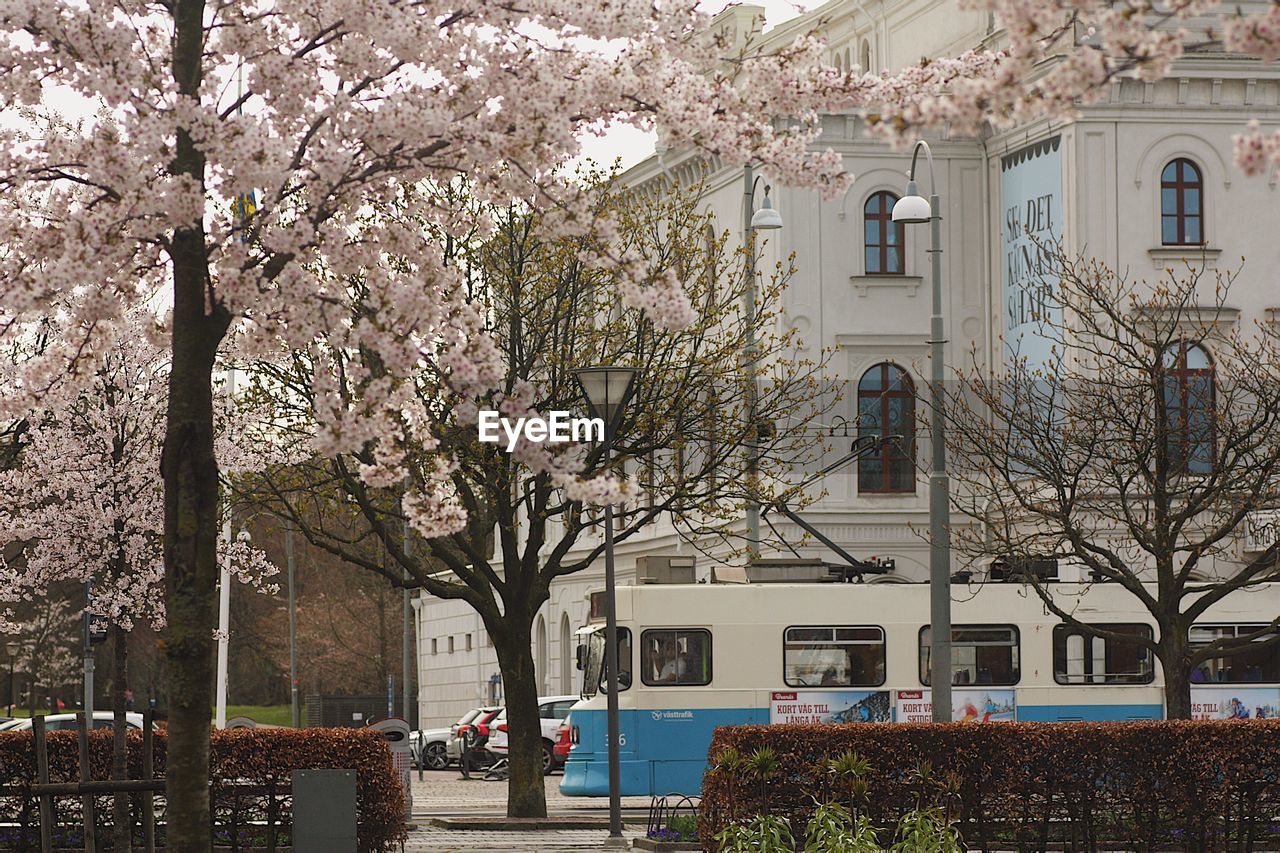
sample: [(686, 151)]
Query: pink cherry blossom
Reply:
[(86, 500)]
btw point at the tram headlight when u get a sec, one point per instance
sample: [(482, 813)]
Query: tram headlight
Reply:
[(573, 734)]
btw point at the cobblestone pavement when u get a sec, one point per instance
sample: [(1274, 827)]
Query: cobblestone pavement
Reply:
[(443, 794)]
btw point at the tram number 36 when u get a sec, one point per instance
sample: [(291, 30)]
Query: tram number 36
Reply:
[(622, 739)]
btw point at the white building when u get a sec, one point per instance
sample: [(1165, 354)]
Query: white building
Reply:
[(1095, 183)]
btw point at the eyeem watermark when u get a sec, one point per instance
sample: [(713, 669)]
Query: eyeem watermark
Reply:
[(557, 426)]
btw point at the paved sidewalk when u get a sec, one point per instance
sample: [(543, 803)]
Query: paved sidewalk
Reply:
[(443, 794), (431, 840)]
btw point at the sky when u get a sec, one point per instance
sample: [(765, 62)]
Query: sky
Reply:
[(633, 145)]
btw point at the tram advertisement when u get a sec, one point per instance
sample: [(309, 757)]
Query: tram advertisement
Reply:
[(967, 706), (830, 706), (1248, 703)]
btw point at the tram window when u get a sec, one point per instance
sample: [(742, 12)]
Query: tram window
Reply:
[(595, 672), (675, 656), (835, 656), (980, 654), (1250, 665), (1080, 658)]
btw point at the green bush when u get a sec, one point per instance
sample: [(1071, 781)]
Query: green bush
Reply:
[(685, 825), (760, 834)]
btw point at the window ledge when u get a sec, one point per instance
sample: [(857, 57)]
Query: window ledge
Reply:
[(1164, 256), (909, 283)]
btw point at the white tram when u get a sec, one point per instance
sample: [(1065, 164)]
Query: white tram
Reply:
[(697, 656)]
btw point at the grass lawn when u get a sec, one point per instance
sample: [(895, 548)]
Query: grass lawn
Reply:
[(271, 715)]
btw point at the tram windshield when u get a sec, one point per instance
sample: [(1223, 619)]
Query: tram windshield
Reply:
[(594, 674)]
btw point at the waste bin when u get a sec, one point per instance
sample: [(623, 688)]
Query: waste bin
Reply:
[(397, 733)]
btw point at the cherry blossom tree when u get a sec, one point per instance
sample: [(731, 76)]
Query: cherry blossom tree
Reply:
[(84, 499), (312, 110), (85, 504)]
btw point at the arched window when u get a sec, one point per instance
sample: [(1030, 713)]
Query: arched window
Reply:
[(1189, 408), (568, 655), (887, 407), (883, 237), (540, 660), (1181, 204), (864, 56)]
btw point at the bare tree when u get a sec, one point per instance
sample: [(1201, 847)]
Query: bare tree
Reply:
[(1135, 449), (684, 442)]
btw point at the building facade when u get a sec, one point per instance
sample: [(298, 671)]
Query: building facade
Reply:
[(1142, 181)]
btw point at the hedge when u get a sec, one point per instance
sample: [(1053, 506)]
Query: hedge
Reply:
[(1167, 785), (250, 772)]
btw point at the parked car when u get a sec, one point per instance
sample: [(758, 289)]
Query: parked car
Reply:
[(552, 711), (53, 722), (472, 727), (431, 748), (563, 741)]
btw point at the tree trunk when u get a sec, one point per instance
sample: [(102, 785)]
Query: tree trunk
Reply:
[(122, 822), (513, 641), (190, 474), (1177, 675), (191, 529)]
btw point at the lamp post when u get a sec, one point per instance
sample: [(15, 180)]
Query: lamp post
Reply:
[(294, 716), (224, 601), (764, 219), (12, 648), (607, 390), (914, 209), (88, 650)]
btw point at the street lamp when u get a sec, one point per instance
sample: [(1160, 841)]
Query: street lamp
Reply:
[(607, 390), (764, 219), (914, 209)]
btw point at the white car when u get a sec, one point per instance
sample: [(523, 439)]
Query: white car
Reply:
[(551, 710), (432, 747), (53, 722)]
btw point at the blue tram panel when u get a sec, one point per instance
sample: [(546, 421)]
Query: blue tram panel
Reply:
[(665, 754)]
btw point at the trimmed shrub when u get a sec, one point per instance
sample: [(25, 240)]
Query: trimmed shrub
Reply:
[(250, 772), (1170, 785)]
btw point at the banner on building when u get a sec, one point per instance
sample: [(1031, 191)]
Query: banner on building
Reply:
[(1031, 229), (967, 706), (831, 706)]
